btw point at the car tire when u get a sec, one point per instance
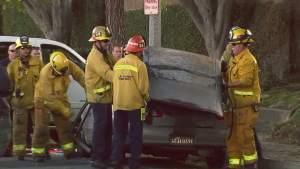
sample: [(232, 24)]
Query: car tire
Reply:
[(218, 160)]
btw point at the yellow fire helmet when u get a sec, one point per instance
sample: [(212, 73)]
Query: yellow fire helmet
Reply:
[(100, 33), (240, 36), (22, 41), (59, 62)]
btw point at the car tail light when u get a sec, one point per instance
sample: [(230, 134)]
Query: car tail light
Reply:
[(157, 114), (220, 118)]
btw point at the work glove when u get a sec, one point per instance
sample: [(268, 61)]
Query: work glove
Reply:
[(223, 66), (224, 88), (67, 113)]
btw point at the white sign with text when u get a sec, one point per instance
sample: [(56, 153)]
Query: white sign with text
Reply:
[(150, 7)]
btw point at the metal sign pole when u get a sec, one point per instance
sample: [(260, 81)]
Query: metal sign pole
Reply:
[(155, 28)]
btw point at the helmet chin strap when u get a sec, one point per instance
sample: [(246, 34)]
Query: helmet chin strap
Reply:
[(55, 73), (22, 58), (232, 54), (101, 49)]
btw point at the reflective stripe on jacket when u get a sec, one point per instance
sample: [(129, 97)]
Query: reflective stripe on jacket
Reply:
[(24, 78), (131, 84), (53, 89), (244, 68), (99, 76)]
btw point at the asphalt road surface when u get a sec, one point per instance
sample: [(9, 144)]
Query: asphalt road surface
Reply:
[(59, 162)]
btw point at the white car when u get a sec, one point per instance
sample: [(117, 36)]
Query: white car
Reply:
[(78, 98)]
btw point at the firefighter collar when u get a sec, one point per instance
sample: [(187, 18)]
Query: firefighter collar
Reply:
[(32, 61), (130, 55), (239, 56)]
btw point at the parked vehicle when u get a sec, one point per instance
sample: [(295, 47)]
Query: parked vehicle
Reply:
[(185, 108), (75, 92)]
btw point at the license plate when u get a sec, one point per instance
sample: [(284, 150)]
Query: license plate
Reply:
[(187, 141)]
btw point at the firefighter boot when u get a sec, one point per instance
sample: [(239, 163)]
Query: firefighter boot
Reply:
[(47, 155), (251, 166)]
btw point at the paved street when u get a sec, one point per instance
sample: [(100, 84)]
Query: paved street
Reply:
[(83, 163)]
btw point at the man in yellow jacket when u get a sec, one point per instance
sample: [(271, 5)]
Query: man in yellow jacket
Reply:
[(24, 72), (98, 78), (244, 95), (228, 57), (131, 93), (51, 97)]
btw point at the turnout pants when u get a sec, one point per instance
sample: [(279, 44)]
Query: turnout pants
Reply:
[(241, 145), (121, 119), (102, 132), (41, 131), (20, 122)]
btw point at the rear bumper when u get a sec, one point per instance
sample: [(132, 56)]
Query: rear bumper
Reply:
[(156, 140), (160, 136), (204, 137)]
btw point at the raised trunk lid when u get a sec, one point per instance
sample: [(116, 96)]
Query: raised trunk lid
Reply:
[(185, 79)]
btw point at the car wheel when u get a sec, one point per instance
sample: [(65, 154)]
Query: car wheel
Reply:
[(218, 160)]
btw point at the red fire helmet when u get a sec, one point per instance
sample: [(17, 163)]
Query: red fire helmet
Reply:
[(135, 44)]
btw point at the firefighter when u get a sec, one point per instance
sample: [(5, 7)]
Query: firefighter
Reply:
[(131, 94), (24, 73), (98, 78), (242, 85), (51, 97), (227, 57)]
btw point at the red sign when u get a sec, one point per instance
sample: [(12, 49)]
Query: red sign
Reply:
[(150, 7)]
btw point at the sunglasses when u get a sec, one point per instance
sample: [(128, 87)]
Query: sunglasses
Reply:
[(105, 41), (11, 50), (25, 47), (234, 44)]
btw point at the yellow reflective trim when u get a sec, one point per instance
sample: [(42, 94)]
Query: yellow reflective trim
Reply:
[(19, 147), (87, 61), (67, 146), (243, 93), (103, 89), (236, 161), (126, 67), (38, 150), (251, 157)]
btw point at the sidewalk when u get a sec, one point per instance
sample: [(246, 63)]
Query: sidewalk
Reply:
[(280, 156)]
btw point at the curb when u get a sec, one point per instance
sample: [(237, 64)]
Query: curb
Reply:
[(268, 116), (273, 164)]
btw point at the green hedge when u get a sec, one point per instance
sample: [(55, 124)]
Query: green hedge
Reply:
[(18, 23), (178, 30)]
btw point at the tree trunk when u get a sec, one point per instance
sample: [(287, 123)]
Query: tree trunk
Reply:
[(52, 17), (115, 20), (1, 20), (102, 13), (212, 18)]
